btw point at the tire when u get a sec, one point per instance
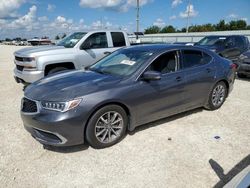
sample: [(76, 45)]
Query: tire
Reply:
[(240, 75), (57, 69), (100, 132), (217, 96)]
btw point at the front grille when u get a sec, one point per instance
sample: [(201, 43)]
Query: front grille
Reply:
[(29, 106), (18, 58), (20, 68)]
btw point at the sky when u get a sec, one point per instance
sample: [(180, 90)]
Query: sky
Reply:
[(30, 18)]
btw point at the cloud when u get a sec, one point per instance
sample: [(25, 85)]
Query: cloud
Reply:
[(116, 5), (26, 21), (101, 25), (159, 22), (245, 19), (175, 3), (51, 7), (233, 15), (173, 17), (43, 18), (189, 11), (8, 7)]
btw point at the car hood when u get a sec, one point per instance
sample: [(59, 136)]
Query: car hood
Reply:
[(69, 85), (42, 50)]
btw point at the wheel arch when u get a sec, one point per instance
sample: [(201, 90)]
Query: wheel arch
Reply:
[(68, 65)]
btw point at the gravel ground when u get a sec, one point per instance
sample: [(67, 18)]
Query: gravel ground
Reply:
[(173, 152)]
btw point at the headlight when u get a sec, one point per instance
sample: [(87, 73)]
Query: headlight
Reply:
[(28, 59), (61, 106)]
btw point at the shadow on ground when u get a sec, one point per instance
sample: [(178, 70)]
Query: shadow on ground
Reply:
[(165, 120), (225, 178), (67, 149), (78, 148)]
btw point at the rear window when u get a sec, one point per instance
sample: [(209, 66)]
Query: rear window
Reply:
[(192, 58), (118, 39)]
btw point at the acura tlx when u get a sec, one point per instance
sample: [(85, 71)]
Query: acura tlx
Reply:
[(128, 88)]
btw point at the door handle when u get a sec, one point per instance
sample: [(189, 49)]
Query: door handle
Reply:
[(178, 79), (106, 53)]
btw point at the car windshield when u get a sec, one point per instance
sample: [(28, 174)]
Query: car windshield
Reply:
[(215, 40), (122, 62), (71, 40)]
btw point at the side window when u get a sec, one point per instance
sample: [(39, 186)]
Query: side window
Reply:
[(118, 39), (230, 42), (193, 58), (239, 43), (165, 63), (96, 40)]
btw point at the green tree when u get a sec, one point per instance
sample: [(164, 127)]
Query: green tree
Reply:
[(241, 25), (168, 29), (152, 30), (222, 26)]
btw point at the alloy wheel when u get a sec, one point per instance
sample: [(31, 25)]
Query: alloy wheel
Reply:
[(109, 126), (218, 95)]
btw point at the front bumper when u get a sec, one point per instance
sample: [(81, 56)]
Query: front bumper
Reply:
[(27, 76), (56, 128)]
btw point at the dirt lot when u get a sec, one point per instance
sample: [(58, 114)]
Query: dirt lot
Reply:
[(145, 158)]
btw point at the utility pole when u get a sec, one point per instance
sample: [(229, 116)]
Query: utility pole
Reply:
[(137, 18), (188, 15)]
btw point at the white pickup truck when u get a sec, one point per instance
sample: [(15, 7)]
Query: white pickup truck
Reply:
[(76, 51)]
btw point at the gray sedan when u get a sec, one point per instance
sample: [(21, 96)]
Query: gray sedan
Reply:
[(128, 88)]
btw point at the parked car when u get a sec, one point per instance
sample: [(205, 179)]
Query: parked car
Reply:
[(244, 65), (76, 51), (128, 88), (230, 47)]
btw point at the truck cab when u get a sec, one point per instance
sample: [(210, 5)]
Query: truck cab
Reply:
[(77, 51)]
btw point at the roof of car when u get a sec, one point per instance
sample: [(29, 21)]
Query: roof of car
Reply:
[(161, 47)]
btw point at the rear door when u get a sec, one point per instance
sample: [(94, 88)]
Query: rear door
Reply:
[(199, 71)]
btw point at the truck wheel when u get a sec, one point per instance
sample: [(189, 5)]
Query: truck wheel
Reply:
[(57, 69)]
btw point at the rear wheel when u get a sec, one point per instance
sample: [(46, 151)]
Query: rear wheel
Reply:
[(107, 126), (217, 96)]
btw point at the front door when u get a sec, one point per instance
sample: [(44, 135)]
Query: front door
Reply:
[(164, 97), (93, 49)]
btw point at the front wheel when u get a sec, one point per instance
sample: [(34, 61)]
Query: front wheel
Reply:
[(217, 96), (107, 126)]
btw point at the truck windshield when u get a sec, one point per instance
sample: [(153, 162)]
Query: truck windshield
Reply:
[(71, 40), (122, 62), (212, 40)]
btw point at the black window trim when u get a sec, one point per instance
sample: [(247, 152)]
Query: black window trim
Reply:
[(94, 34), (193, 67), (125, 42), (157, 56)]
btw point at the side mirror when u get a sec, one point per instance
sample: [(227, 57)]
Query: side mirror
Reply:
[(151, 75)]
